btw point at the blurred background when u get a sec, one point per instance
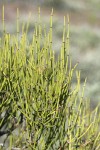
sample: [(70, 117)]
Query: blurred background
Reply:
[(84, 32)]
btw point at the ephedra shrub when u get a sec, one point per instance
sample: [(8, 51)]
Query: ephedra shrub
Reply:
[(39, 109)]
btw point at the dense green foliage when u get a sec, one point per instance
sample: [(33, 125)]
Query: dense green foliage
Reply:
[(39, 109)]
